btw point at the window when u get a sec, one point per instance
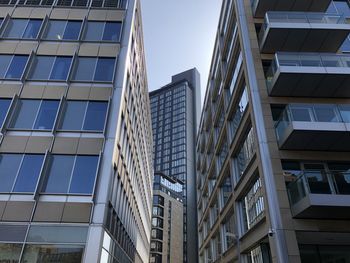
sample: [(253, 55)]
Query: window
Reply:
[(157, 233), (71, 174), (157, 222), (19, 173), (158, 200), (4, 106), (35, 114), (63, 30), (23, 28), (12, 66), (156, 246), (94, 69), (84, 115), (102, 31), (50, 68)]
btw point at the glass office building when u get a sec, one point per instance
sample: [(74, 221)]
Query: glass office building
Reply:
[(273, 145), (175, 111), (75, 132)]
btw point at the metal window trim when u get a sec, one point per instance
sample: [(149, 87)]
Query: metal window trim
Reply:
[(59, 113), (108, 112), (99, 165), (42, 175)]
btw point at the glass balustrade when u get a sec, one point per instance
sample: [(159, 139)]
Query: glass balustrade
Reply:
[(291, 59), (319, 182), (311, 113)]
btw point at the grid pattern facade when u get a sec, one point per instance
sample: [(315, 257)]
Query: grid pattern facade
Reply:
[(266, 159), (75, 167)]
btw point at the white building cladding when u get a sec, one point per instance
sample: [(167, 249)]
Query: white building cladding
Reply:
[(76, 144)]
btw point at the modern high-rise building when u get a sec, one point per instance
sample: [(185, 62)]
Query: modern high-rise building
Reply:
[(167, 220), (76, 145), (175, 111), (273, 148)]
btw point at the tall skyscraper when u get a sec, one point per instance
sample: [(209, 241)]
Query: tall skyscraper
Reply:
[(175, 110), (76, 145), (273, 147)]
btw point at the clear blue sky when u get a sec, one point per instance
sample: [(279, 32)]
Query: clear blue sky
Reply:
[(178, 35)]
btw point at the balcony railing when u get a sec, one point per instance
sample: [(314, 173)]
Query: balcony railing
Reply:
[(319, 182), (302, 32), (314, 60), (311, 113)]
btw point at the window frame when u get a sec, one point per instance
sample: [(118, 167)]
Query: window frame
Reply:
[(118, 40), (8, 20), (47, 24), (9, 65), (32, 64), (16, 110)]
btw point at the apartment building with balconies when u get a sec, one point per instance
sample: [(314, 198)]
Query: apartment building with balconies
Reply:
[(76, 144), (273, 146)]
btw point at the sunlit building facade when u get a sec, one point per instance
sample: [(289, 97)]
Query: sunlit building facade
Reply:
[(76, 145), (273, 144), (175, 110)]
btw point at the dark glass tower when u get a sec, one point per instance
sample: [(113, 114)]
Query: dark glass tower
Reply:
[(175, 113)]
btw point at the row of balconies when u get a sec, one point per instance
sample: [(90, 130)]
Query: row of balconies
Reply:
[(291, 30)]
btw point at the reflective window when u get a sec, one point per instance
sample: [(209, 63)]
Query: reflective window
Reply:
[(94, 69), (63, 30), (23, 28), (102, 31), (12, 66), (71, 174), (57, 234), (84, 115), (53, 253), (10, 252), (20, 173), (35, 114), (4, 106), (50, 68)]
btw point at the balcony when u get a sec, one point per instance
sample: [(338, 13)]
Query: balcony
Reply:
[(309, 75), (302, 32), (318, 127), (260, 7), (320, 194)]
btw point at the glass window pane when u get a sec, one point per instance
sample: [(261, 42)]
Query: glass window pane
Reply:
[(29, 173), (74, 115), (47, 114), (12, 233), (94, 31), (9, 165), (15, 28), (10, 252), (16, 68), (72, 30), (4, 106), (57, 234), (95, 116), (41, 67), (53, 253), (59, 174), (84, 69), (4, 63), (32, 29), (25, 114), (104, 69), (112, 31), (84, 175), (55, 30), (61, 68)]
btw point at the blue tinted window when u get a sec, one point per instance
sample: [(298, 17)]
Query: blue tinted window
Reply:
[(61, 68), (23, 28), (112, 31), (25, 114), (42, 67), (29, 173), (9, 165), (95, 116), (58, 177), (104, 69), (84, 175), (32, 28), (17, 66), (5, 60), (74, 115), (72, 30), (94, 31), (4, 106), (55, 30), (84, 70), (46, 115)]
